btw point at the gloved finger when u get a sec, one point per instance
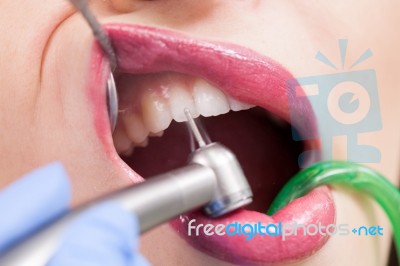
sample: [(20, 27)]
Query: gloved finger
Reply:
[(30, 202), (104, 235)]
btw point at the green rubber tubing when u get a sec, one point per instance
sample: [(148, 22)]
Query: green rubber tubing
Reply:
[(347, 174)]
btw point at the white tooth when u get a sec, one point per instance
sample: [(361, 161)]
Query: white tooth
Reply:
[(158, 134), (156, 112), (128, 152), (209, 100), (143, 143), (180, 99), (121, 140), (237, 105), (135, 128)]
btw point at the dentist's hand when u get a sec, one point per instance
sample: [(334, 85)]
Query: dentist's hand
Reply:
[(104, 235)]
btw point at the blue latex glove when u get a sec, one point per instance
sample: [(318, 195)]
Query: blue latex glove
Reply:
[(103, 235)]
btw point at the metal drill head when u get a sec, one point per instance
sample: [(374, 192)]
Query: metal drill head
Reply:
[(232, 191)]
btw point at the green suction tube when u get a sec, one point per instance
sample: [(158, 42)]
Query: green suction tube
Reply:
[(348, 174)]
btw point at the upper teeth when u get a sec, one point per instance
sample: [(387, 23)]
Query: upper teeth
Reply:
[(152, 112)]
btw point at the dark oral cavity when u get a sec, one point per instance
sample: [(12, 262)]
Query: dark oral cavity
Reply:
[(262, 144)]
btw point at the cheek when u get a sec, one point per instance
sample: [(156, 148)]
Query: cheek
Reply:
[(26, 31), (122, 6)]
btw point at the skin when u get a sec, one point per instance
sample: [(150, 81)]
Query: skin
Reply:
[(46, 113)]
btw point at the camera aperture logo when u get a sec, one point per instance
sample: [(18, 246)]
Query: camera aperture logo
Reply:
[(345, 104)]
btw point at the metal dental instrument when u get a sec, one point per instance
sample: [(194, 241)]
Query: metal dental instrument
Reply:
[(101, 36), (196, 131), (112, 101), (213, 180), (104, 41)]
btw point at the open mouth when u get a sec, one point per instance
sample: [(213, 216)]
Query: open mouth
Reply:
[(159, 74), (151, 139)]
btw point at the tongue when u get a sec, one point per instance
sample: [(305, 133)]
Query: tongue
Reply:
[(264, 148)]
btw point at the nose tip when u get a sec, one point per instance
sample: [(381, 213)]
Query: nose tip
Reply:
[(232, 190)]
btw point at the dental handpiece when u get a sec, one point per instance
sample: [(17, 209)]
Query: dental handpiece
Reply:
[(212, 180)]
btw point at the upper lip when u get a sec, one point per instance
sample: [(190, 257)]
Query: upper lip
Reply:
[(251, 78)]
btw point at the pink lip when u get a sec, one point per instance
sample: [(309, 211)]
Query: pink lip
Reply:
[(249, 77)]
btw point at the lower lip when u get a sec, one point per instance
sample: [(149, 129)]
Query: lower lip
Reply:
[(146, 50), (317, 208)]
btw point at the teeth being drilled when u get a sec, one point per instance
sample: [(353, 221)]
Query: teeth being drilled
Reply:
[(155, 107), (182, 98), (209, 100)]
